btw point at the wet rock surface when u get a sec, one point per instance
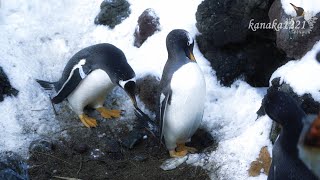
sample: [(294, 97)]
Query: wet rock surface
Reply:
[(112, 12), (294, 44), (12, 167), (148, 24), (233, 49), (5, 87)]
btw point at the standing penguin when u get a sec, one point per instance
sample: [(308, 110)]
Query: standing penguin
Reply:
[(286, 164), (87, 78), (183, 91)]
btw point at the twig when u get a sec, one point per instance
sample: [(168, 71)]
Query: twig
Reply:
[(65, 178), (80, 167), (49, 155)]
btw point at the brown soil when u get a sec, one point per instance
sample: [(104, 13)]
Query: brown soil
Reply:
[(71, 156)]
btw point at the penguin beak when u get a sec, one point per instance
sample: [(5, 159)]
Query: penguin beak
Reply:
[(189, 54), (130, 88), (295, 7)]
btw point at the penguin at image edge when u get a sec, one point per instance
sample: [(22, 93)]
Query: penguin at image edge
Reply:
[(89, 76), (183, 91), (286, 164)]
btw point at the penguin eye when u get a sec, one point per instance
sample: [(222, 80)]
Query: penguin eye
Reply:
[(188, 43)]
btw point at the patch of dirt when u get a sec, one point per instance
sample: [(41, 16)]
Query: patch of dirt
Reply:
[(99, 153)]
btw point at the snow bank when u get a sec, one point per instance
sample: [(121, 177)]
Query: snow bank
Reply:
[(302, 75)]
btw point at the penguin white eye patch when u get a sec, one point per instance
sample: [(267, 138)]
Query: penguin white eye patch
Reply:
[(190, 39), (122, 83)]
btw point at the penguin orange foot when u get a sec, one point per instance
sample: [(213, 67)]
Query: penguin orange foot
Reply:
[(88, 121), (183, 147), (108, 113), (177, 154)]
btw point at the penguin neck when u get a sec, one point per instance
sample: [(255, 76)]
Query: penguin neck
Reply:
[(289, 136), (176, 54)]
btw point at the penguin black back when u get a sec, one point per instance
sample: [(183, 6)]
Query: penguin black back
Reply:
[(100, 56), (286, 164)]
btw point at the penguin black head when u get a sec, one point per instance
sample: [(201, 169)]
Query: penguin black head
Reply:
[(299, 10), (130, 87), (180, 41), (282, 108)]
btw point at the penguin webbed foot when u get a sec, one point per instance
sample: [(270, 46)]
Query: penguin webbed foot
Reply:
[(88, 121), (182, 147), (177, 154), (181, 150), (109, 113)]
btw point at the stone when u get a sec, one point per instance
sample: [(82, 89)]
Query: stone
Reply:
[(5, 87), (148, 92), (81, 148), (41, 145), (13, 167), (233, 49), (223, 22), (295, 45), (112, 12), (148, 24)]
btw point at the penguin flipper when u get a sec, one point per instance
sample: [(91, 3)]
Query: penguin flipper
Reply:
[(76, 75), (165, 100)]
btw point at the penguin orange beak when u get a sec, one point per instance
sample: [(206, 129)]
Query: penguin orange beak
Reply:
[(130, 88), (190, 54)]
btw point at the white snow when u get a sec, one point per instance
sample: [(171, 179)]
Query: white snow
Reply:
[(302, 75), (312, 7), (38, 37)]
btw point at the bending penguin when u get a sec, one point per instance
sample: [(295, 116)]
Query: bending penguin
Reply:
[(183, 91), (283, 109), (88, 77)]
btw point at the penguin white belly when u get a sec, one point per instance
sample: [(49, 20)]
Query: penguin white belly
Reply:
[(91, 91), (184, 114)]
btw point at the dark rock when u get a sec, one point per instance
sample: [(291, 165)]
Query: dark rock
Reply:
[(318, 57), (140, 158), (148, 24), (148, 92), (133, 138), (223, 22), (254, 61), (234, 50), (113, 12), (12, 167), (112, 146), (81, 148), (41, 146), (294, 44), (202, 140), (5, 87)]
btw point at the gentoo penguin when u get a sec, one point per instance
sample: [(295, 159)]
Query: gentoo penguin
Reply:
[(309, 144), (183, 91), (286, 164), (87, 78)]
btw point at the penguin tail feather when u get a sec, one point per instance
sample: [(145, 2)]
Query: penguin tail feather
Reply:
[(46, 84)]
